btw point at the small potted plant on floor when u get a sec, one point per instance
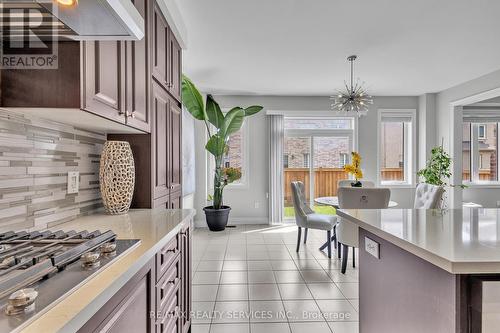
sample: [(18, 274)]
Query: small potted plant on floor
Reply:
[(354, 169), (218, 134)]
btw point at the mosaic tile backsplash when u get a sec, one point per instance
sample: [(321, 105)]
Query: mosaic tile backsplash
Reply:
[(35, 157)]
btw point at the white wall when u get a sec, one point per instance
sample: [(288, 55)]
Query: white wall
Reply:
[(243, 201), (488, 197)]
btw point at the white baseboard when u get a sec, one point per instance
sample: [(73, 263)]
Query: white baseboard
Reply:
[(201, 223)]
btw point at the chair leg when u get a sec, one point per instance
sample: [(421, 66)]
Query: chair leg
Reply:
[(345, 254), (298, 239), (339, 249), (353, 257), (334, 237), (329, 240), (305, 234)]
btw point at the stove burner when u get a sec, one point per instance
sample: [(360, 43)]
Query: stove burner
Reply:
[(21, 301), (108, 249), (91, 259)]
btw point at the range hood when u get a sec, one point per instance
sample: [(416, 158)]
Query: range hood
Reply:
[(71, 19)]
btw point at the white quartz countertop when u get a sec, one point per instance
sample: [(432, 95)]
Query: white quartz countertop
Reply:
[(153, 227), (460, 241)]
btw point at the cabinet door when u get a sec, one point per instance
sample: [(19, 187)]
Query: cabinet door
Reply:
[(104, 72), (175, 201), (186, 278), (160, 105), (138, 76), (175, 64), (160, 49), (131, 309), (175, 147)]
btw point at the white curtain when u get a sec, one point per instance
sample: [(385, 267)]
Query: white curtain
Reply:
[(276, 139)]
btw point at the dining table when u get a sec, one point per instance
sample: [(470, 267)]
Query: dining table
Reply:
[(334, 202)]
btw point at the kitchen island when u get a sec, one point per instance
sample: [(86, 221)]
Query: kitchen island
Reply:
[(428, 270), (101, 302)]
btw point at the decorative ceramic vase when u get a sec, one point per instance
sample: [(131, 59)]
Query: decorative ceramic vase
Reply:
[(117, 177), (357, 184)]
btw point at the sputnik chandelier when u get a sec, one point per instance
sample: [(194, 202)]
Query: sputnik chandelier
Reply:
[(354, 98)]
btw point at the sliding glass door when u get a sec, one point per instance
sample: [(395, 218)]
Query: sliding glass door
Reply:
[(315, 152)]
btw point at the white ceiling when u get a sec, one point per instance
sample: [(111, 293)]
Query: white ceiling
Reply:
[(299, 47)]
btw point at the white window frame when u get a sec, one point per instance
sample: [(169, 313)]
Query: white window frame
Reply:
[(479, 131), (410, 146), (475, 157), (244, 182)]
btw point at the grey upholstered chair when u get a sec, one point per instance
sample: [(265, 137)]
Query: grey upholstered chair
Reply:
[(308, 219), (428, 196), (348, 182), (356, 198)]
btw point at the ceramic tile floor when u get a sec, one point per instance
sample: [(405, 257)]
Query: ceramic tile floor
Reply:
[(250, 279)]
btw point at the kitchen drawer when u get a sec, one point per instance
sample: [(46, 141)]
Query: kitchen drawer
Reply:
[(168, 284), (169, 320), (166, 257)]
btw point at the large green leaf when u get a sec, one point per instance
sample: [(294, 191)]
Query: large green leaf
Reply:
[(252, 110), (216, 145), (214, 113), (192, 100), (233, 121)]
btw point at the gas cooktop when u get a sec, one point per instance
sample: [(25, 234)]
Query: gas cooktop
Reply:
[(40, 268)]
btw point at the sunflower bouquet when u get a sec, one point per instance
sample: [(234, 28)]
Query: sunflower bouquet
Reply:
[(355, 168)]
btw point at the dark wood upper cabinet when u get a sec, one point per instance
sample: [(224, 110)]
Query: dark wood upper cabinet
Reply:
[(138, 81), (160, 133), (160, 49), (175, 63), (103, 88), (175, 147)]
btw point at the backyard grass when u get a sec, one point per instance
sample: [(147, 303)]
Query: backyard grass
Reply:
[(318, 209)]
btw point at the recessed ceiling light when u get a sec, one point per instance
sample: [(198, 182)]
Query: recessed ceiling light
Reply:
[(66, 2)]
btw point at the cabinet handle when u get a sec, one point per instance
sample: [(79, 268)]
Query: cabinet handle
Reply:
[(172, 187), (174, 281)]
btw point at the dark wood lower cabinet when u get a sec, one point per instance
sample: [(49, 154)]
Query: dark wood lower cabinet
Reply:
[(130, 310), (157, 299)]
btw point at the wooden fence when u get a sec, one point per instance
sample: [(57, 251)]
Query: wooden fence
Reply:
[(325, 181)]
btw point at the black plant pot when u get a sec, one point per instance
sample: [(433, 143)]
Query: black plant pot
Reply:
[(357, 184), (217, 218)]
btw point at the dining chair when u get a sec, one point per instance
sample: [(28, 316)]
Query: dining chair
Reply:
[(356, 198), (428, 196), (348, 182), (306, 218)]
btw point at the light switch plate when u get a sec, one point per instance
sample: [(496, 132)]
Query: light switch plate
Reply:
[(372, 247), (73, 181)]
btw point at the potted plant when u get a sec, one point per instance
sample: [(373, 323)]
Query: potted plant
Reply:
[(223, 126), (437, 170), (354, 169)]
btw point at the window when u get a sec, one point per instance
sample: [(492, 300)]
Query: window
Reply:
[(479, 150), (305, 159), (236, 157), (396, 152), (482, 131), (314, 152), (466, 151), (344, 158)]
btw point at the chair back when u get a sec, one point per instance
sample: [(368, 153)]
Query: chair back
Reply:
[(428, 196), (300, 205), (348, 182), (363, 198)]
